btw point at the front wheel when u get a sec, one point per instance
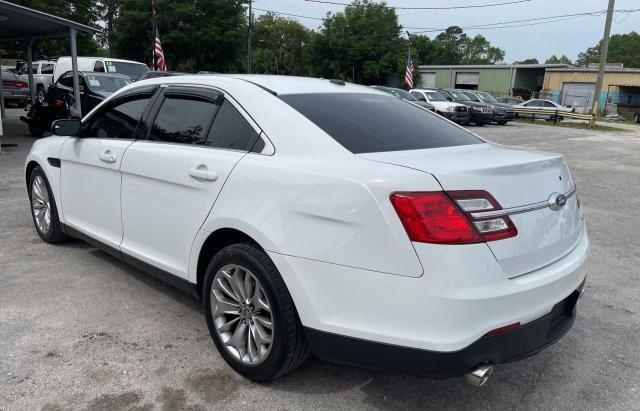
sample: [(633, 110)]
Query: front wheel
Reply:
[(502, 123), (250, 314), (36, 129), (43, 208)]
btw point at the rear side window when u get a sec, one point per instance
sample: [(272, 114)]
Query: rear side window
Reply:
[(369, 123), (230, 130), (117, 121), (46, 69), (183, 120)]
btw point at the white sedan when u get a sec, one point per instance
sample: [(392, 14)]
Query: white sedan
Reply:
[(314, 216), (543, 106)]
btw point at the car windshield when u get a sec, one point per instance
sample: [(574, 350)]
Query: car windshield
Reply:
[(435, 96), (369, 123), (403, 94), (132, 70), (487, 98), (458, 95), (106, 83)]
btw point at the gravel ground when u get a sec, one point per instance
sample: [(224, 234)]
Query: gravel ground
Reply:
[(81, 330)]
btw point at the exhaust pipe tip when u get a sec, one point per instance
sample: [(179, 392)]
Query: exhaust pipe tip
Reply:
[(479, 375)]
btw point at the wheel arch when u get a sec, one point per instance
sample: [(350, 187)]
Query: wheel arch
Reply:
[(215, 242), (31, 165)]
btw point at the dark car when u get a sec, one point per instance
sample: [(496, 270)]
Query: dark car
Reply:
[(158, 74), (94, 87), (406, 96), (502, 112), (480, 113)]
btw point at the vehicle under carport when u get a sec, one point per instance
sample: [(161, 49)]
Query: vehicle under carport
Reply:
[(22, 23)]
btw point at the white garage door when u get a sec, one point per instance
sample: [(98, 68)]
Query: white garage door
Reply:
[(427, 80), (578, 95), (467, 79)]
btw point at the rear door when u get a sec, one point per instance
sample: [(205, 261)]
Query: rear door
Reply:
[(90, 168), (171, 180)]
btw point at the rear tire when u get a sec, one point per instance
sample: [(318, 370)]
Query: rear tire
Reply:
[(237, 314), (36, 130), (480, 123), (502, 123), (43, 208)]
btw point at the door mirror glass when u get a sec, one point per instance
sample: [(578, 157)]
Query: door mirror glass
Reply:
[(66, 127)]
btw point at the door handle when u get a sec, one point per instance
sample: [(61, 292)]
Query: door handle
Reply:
[(107, 157), (201, 172)]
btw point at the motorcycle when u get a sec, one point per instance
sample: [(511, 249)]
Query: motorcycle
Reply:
[(46, 109)]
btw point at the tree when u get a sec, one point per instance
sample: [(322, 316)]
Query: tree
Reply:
[(196, 35), (623, 48), (281, 46), (527, 61), (479, 50), (559, 60), (453, 46), (361, 43)]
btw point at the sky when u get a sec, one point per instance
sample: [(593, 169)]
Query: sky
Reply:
[(569, 36)]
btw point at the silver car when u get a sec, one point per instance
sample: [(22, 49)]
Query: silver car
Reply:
[(14, 90)]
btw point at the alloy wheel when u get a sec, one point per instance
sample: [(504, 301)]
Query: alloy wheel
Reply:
[(40, 204), (242, 314)]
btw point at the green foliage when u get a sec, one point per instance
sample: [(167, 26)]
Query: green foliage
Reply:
[(196, 35), (453, 46), (361, 44), (527, 61), (623, 48), (559, 60), (281, 46)]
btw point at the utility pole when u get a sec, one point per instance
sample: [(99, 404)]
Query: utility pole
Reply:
[(249, 52), (604, 49)]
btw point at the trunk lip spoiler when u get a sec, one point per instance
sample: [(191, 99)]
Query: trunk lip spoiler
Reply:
[(520, 209)]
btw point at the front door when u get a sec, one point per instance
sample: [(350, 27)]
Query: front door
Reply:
[(90, 169), (171, 180)]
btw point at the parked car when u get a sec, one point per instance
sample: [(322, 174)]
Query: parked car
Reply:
[(157, 74), (341, 222), (406, 96), (14, 90), (456, 112), (42, 74), (132, 69), (502, 113), (544, 106), (479, 113), (513, 101)]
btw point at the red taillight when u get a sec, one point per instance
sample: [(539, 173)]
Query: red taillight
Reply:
[(446, 217), (57, 103), (12, 83)]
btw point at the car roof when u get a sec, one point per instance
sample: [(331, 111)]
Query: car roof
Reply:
[(97, 73), (274, 84)]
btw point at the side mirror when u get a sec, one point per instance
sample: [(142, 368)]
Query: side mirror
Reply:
[(66, 127)]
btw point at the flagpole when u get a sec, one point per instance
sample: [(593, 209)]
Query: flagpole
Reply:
[(153, 34)]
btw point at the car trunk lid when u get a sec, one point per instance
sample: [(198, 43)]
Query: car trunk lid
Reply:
[(519, 180)]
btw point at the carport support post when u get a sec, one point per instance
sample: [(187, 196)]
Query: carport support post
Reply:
[(32, 87), (74, 67)]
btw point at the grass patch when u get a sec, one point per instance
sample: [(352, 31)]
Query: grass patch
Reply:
[(580, 126)]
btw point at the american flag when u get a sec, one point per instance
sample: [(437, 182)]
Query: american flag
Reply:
[(158, 55), (408, 75)]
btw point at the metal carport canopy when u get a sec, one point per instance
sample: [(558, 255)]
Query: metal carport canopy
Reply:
[(19, 22)]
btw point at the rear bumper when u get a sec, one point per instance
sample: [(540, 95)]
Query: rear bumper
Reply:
[(522, 342)]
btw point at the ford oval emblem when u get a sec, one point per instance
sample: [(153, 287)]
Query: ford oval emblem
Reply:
[(557, 201)]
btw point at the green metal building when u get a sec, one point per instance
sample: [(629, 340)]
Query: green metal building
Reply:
[(496, 79)]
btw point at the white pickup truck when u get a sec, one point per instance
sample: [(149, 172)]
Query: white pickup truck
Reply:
[(42, 74)]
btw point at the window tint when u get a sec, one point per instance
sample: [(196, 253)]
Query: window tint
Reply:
[(118, 121), (99, 67), (367, 123), (183, 120), (230, 130), (46, 69), (549, 104)]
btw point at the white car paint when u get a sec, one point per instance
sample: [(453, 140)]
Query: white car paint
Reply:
[(542, 105), (442, 106), (324, 217)]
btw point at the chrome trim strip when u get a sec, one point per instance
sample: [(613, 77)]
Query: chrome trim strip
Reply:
[(518, 210)]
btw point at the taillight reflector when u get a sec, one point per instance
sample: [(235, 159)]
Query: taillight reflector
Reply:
[(504, 329), (445, 217)]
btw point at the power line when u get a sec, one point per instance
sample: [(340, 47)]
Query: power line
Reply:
[(469, 6), (289, 14)]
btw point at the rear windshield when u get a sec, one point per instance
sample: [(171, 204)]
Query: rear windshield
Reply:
[(370, 123)]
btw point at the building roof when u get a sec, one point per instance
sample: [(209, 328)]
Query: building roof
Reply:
[(19, 22), (595, 70), (495, 66)]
